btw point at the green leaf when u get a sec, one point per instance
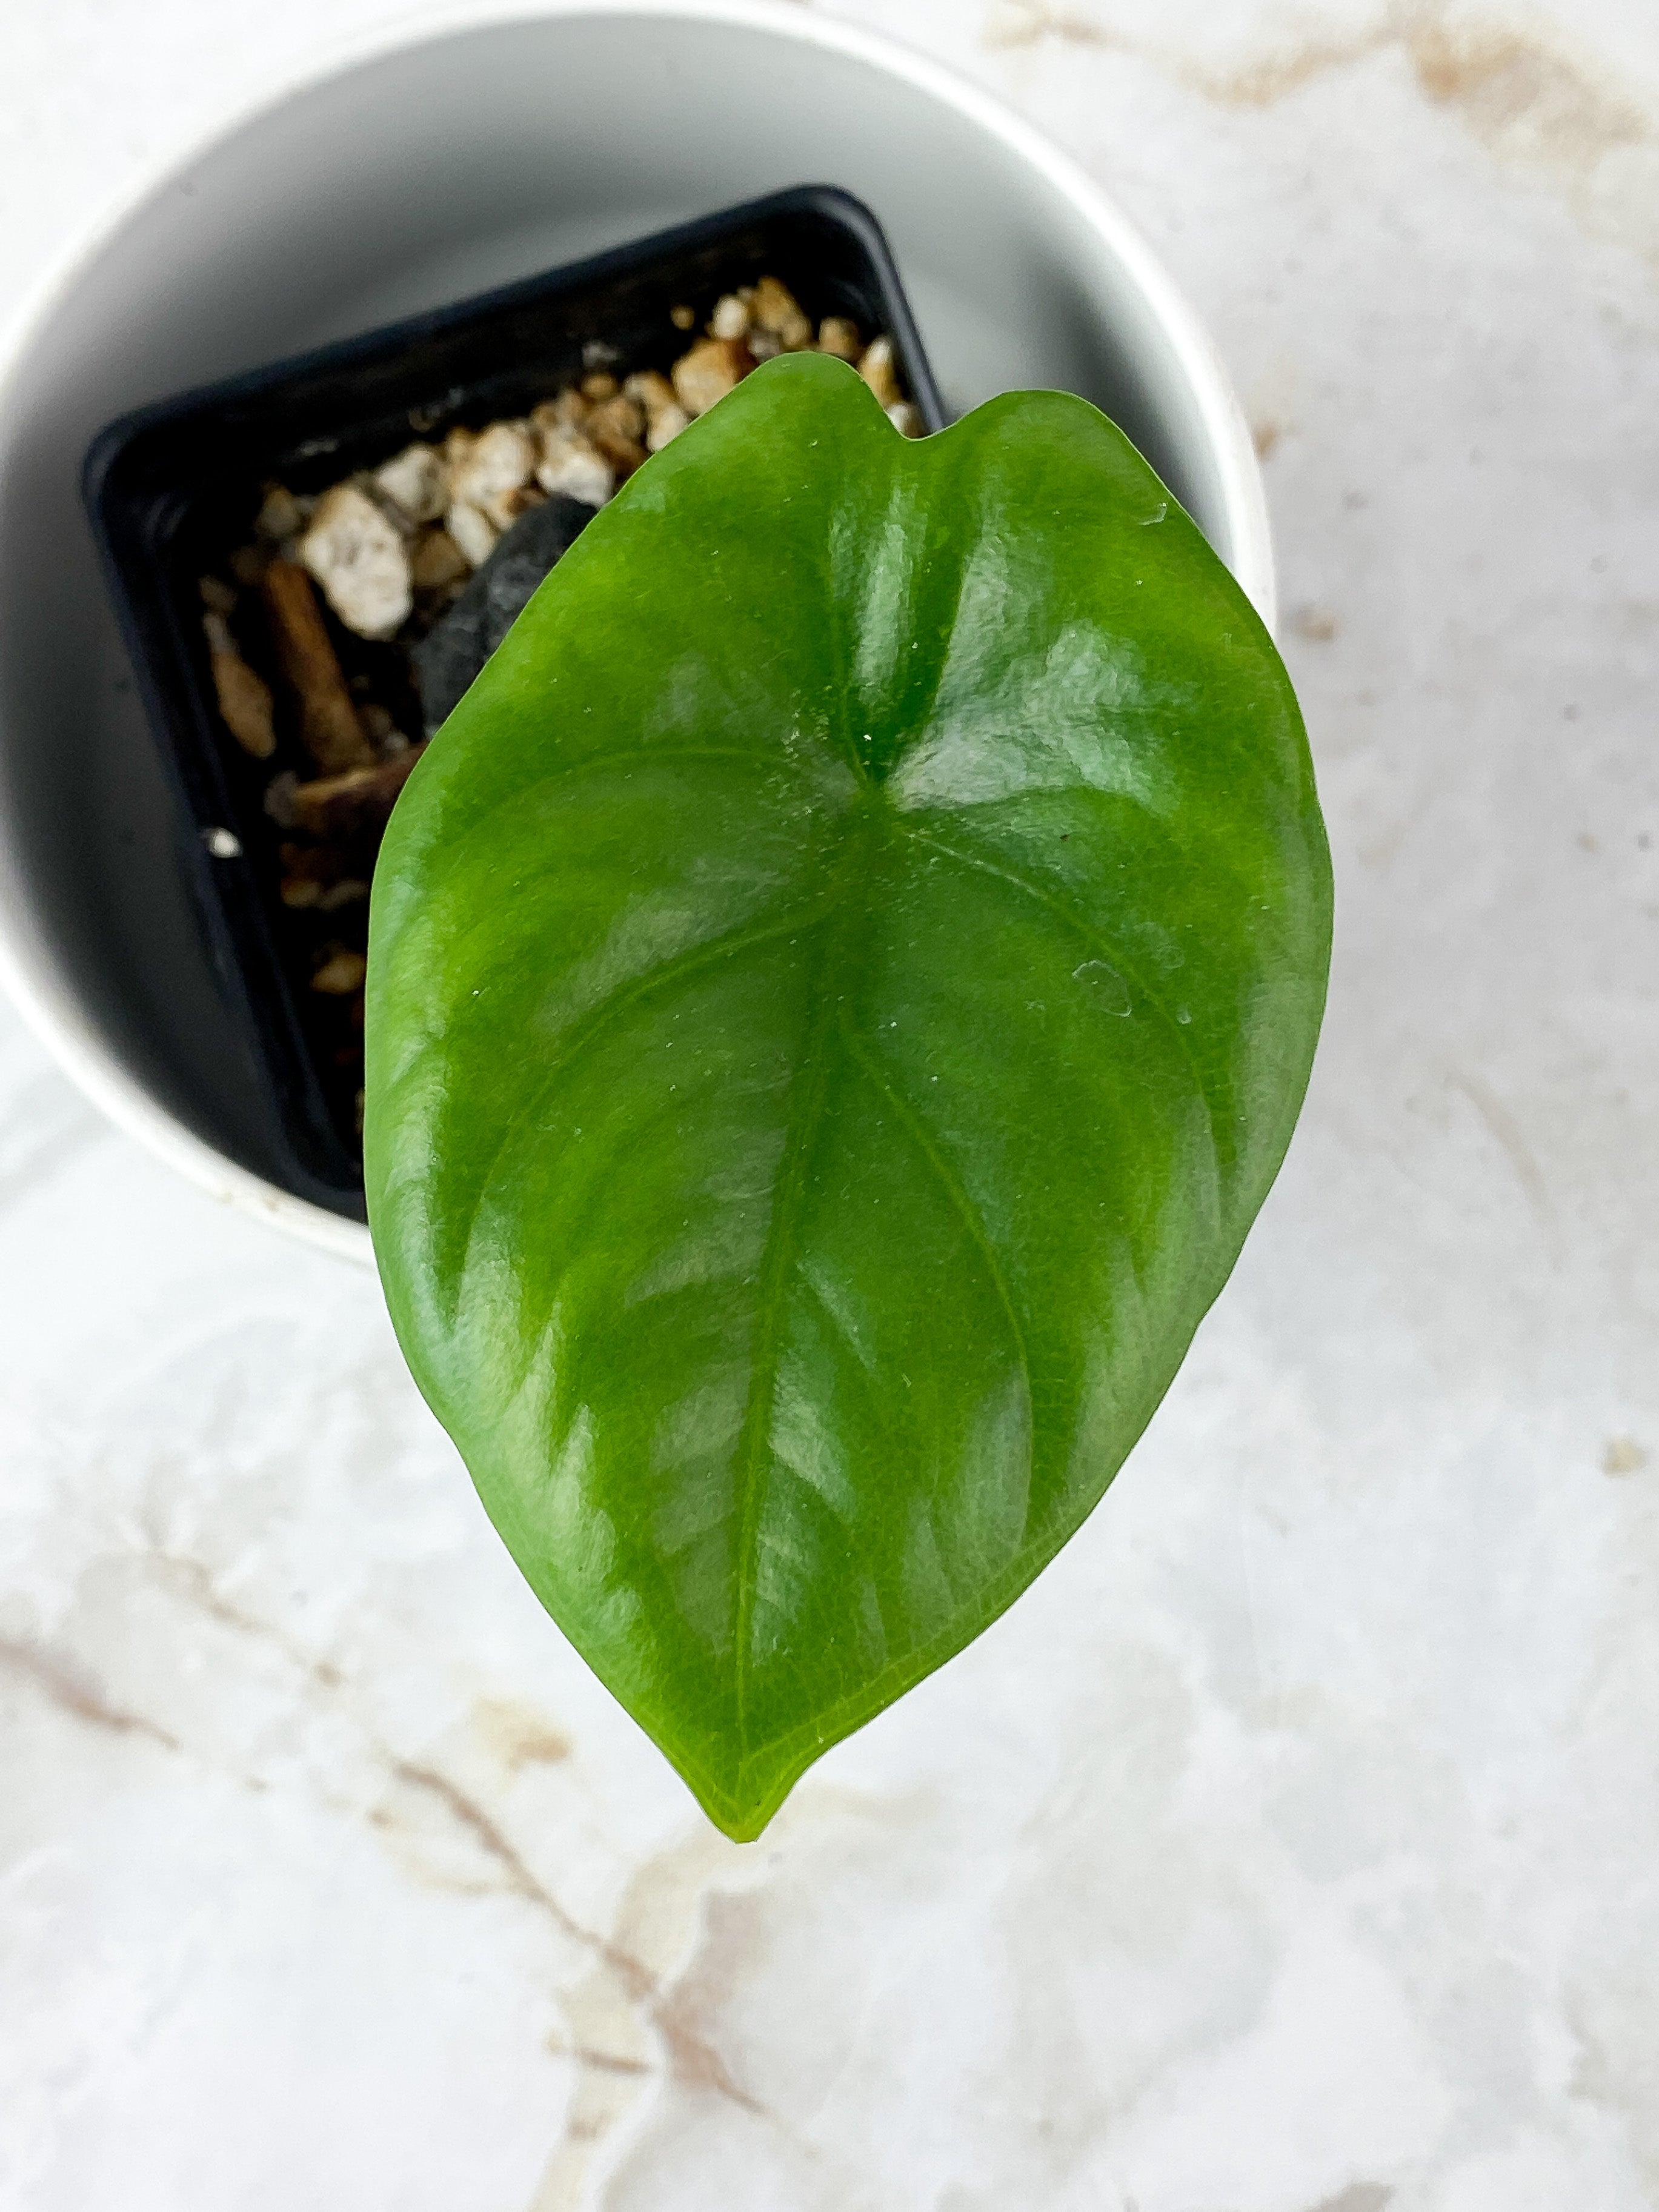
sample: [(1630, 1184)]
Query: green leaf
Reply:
[(840, 986)]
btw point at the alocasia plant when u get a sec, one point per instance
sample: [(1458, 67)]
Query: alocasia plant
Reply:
[(840, 986)]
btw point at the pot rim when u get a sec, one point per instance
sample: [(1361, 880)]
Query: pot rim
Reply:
[(27, 968)]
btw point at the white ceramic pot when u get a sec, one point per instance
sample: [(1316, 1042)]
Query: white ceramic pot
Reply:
[(413, 170)]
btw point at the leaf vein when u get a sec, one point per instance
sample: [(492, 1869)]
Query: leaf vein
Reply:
[(582, 1033), (1099, 942), (962, 1205)]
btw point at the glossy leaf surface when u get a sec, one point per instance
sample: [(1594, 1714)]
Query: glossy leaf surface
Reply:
[(840, 986)]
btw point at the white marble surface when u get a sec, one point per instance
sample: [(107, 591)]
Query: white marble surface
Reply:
[(1292, 1844)]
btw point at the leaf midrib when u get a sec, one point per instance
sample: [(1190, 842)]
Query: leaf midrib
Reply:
[(802, 1129)]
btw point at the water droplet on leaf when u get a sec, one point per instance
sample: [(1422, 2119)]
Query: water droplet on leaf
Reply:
[(1107, 987)]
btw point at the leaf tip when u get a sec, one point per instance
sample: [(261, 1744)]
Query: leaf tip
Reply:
[(743, 1803)]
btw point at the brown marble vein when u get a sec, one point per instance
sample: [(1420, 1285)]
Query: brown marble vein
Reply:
[(64, 1683), (631, 1993), (1524, 97)]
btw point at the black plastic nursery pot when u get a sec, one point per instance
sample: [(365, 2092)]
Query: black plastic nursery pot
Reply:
[(173, 489)]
